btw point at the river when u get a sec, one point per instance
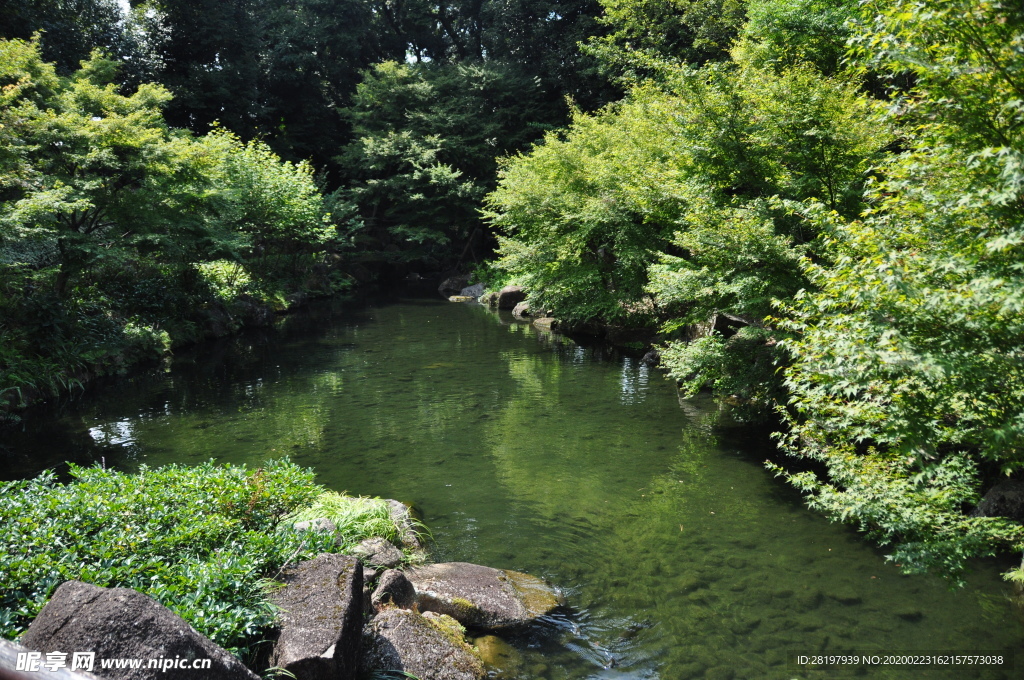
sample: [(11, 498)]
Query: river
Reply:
[(680, 556)]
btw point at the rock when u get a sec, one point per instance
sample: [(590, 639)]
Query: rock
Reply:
[(500, 658), (430, 646), (401, 514), (320, 525), (521, 310), (490, 299), (1005, 499), (474, 291), (481, 597), (321, 618), (123, 623), (461, 298), (546, 322), (510, 296), (652, 358), (453, 285), (393, 589)]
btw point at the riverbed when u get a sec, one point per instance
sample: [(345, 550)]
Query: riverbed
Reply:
[(680, 556)]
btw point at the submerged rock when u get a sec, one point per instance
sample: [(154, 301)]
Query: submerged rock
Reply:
[(482, 597), (122, 623), (501, 659), (461, 298), (431, 646), (321, 618), (378, 552)]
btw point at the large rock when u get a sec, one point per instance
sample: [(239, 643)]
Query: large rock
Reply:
[(474, 291), (510, 296), (393, 590), (1005, 499), (120, 623), (481, 597), (453, 285), (321, 618), (378, 552), (430, 646), (401, 514), (521, 310)]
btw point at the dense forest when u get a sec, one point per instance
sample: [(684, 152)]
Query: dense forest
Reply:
[(819, 204)]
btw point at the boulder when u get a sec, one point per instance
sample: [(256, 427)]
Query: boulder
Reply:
[(521, 310), (1005, 499), (122, 623), (321, 618), (430, 646), (489, 299), (461, 298), (453, 285), (651, 358), (319, 525), (481, 597), (474, 291), (546, 323), (378, 552), (510, 296), (401, 514), (393, 589)]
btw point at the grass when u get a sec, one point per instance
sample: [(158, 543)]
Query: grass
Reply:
[(355, 518)]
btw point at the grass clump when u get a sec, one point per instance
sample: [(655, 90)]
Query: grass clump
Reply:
[(355, 518), (200, 540)]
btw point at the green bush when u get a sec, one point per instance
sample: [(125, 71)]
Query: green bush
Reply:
[(201, 540)]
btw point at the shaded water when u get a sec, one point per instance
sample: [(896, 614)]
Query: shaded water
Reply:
[(680, 556)]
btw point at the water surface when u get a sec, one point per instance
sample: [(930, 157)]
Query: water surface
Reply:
[(679, 555)]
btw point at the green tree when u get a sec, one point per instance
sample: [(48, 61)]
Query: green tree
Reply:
[(906, 383), (427, 139)]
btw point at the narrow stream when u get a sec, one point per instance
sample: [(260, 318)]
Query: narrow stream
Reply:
[(679, 555)]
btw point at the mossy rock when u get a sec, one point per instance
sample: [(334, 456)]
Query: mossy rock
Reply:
[(430, 646)]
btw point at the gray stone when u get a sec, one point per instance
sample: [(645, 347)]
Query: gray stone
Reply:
[(474, 291), (546, 323), (393, 589), (378, 552), (123, 623), (401, 514), (431, 646), (321, 618), (520, 310), (1005, 499), (481, 597), (453, 285), (510, 296), (319, 525)]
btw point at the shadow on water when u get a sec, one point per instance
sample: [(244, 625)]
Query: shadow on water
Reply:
[(679, 555)]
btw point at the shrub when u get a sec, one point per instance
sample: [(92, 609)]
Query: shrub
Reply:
[(201, 540)]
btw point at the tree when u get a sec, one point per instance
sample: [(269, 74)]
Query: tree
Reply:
[(427, 138), (906, 383)]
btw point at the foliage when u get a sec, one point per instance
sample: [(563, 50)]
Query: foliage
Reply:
[(107, 216), (906, 382), (427, 139), (784, 33), (199, 540)]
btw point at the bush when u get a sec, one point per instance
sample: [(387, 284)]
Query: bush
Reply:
[(201, 540)]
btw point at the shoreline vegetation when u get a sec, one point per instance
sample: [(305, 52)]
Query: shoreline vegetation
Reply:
[(830, 193), (205, 541)]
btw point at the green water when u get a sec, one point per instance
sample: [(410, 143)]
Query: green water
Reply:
[(679, 555)]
